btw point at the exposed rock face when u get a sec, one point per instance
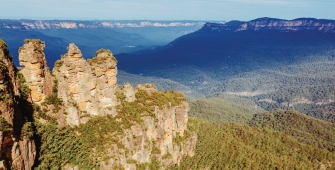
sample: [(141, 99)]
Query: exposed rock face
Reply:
[(129, 92), (86, 87), (23, 154), (16, 151), (276, 24), (160, 137), (35, 69)]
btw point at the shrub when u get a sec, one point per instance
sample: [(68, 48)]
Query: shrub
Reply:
[(60, 147), (3, 44), (4, 125), (7, 98), (27, 130), (24, 90)]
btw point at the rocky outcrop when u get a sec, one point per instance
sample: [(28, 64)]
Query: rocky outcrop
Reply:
[(23, 154), (321, 25), (129, 92), (17, 151), (86, 87), (161, 137), (35, 69)]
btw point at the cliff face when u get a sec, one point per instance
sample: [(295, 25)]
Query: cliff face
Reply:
[(17, 149), (35, 69), (86, 87), (161, 136), (275, 24)]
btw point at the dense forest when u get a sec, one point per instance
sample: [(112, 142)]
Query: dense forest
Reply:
[(238, 146)]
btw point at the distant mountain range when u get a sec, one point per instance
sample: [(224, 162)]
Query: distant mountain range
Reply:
[(285, 64), (220, 45), (119, 36), (73, 24), (299, 24)]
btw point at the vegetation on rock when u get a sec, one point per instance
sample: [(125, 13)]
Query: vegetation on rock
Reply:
[(24, 90), (59, 147), (2, 44), (4, 125), (144, 105), (53, 99), (98, 59)]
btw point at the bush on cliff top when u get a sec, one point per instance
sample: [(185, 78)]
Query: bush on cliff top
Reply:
[(2, 43), (132, 112), (101, 59)]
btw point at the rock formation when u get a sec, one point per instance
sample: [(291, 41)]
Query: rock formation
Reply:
[(157, 137), (90, 88), (152, 124), (17, 151), (35, 69), (86, 87)]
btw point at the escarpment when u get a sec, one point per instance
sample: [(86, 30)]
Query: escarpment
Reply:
[(18, 149), (93, 123)]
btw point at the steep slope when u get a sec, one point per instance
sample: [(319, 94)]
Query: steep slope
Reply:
[(305, 129)]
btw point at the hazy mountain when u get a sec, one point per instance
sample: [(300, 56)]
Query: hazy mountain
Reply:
[(222, 50), (118, 36), (285, 64)]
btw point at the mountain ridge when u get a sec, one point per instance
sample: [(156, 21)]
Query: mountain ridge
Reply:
[(275, 24), (76, 24)]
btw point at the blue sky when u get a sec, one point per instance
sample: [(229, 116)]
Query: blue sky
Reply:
[(220, 10)]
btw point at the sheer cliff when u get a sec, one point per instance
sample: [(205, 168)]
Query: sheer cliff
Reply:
[(18, 149), (76, 117)]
